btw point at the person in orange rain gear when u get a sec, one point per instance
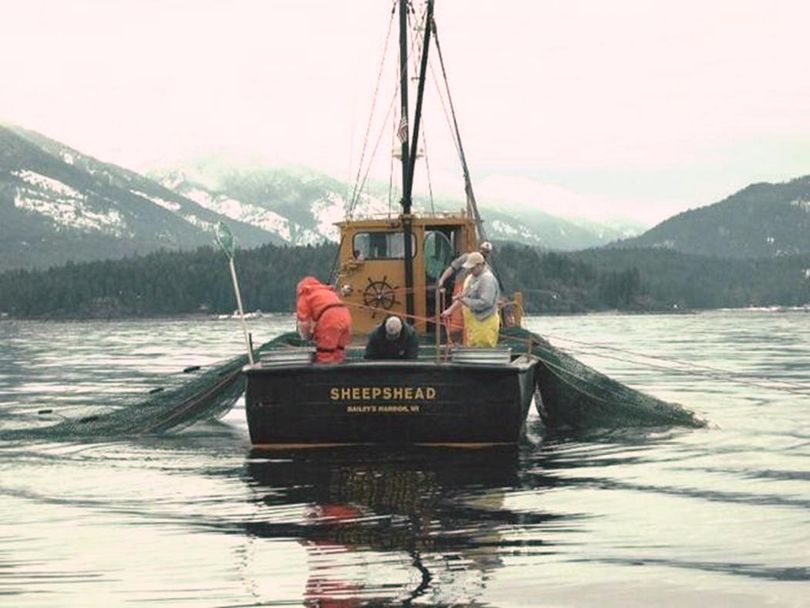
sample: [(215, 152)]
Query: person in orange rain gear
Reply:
[(323, 318)]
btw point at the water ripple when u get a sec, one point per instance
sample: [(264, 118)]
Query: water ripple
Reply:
[(715, 516)]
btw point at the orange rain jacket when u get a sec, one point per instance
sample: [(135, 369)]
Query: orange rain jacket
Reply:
[(320, 306)]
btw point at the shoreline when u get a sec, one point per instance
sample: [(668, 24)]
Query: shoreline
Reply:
[(252, 316)]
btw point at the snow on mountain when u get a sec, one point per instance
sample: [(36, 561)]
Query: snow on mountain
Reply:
[(501, 230), (297, 206), (179, 210), (65, 206), (160, 202), (801, 204), (368, 205), (302, 206), (58, 205), (252, 214), (327, 211)]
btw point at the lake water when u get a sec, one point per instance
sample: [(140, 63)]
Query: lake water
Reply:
[(668, 517)]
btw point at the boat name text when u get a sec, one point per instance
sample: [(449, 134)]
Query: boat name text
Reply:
[(385, 393)]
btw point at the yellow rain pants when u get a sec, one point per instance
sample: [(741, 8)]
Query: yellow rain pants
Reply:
[(481, 334)]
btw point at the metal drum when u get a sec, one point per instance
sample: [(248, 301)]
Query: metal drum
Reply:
[(488, 356), (302, 355)]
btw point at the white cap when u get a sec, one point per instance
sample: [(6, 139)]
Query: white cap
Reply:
[(485, 246), (393, 327)]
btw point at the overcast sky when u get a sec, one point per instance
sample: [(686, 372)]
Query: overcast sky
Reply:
[(635, 108)]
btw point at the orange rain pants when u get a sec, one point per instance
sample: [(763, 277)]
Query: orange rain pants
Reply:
[(458, 318), (455, 324), (333, 333), (318, 304)]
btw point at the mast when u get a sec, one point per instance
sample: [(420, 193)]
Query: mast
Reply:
[(408, 153), (405, 156), (420, 93)]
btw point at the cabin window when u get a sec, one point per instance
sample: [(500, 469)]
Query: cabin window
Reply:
[(438, 254), (381, 245)]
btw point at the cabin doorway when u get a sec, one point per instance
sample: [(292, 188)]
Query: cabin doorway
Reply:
[(439, 251)]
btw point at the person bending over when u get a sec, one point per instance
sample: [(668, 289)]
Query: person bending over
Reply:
[(393, 339), (324, 319)]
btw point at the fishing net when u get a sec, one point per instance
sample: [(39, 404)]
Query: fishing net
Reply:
[(570, 395), (181, 400)]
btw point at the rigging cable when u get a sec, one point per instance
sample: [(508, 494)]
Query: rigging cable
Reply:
[(471, 202), (447, 118), (414, 40), (427, 171), (382, 131), (443, 103), (391, 166), (333, 273), (357, 190), (472, 205), (377, 143), (563, 372), (697, 369)]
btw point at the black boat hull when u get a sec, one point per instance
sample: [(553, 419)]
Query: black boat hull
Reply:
[(388, 402)]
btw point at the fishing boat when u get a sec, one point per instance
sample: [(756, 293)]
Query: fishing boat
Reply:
[(450, 395)]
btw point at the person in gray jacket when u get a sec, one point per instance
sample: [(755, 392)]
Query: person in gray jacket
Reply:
[(480, 304), (454, 321), (457, 266)]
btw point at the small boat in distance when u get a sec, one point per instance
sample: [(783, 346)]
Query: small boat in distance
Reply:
[(450, 395)]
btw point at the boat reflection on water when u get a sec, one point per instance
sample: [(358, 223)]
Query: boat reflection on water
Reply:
[(387, 525)]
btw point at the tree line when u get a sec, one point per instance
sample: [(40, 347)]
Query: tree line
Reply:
[(170, 282)]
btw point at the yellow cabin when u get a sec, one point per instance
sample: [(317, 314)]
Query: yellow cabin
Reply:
[(372, 270)]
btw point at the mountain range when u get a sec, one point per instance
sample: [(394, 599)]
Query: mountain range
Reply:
[(58, 204), (309, 204)]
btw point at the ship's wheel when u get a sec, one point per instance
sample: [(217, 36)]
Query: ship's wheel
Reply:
[(379, 295)]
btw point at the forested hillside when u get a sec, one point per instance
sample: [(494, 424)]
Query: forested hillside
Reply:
[(657, 278), (762, 220), (168, 283), (164, 283)]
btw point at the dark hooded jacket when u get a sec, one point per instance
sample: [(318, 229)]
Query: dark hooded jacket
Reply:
[(379, 346)]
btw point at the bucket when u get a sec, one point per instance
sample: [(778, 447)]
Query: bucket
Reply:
[(488, 356), (301, 355)]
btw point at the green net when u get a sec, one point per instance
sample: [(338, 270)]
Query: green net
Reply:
[(181, 400), (572, 395)]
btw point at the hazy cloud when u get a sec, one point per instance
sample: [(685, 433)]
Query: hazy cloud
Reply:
[(631, 108)]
